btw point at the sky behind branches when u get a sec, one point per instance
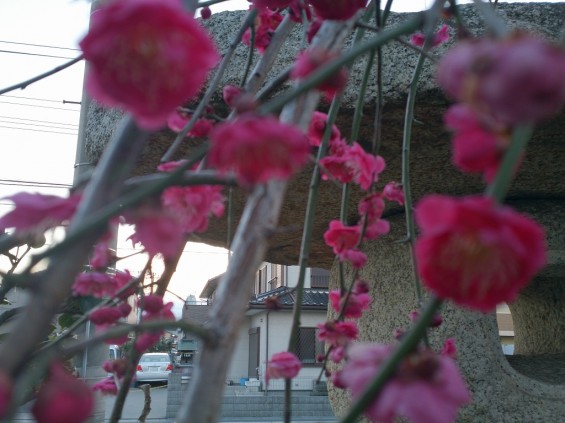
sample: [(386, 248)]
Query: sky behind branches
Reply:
[(39, 125)]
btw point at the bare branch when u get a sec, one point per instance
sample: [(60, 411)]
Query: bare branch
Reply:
[(25, 84)]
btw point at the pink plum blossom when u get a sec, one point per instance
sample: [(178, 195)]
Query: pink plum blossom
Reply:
[(118, 367), (178, 120), (337, 333), (356, 303), (230, 94), (438, 38), (338, 10), (516, 80), (96, 284), (62, 398), (476, 147), (38, 211), (258, 149), (192, 205), (350, 163), (106, 386), (156, 230), (393, 191), (425, 388), (147, 339), (475, 252), (147, 57), (342, 237), (266, 23), (449, 348), (151, 303), (370, 209), (317, 128), (105, 315), (313, 59), (171, 166), (283, 365)]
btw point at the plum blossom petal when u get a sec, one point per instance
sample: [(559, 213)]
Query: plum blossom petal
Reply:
[(283, 365), (516, 80), (337, 333), (313, 59), (438, 38), (192, 205), (258, 149), (147, 57), (106, 386), (357, 302), (393, 192), (266, 24), (475, 252), (34, 210), (62, 398), (425, 388)]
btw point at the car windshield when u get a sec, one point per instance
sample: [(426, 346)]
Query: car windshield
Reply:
[(154, 358)]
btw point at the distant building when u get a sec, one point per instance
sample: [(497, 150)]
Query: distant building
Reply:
[(267, 324)]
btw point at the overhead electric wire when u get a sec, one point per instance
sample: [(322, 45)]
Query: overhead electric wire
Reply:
[(38, 45), (35, 54), (34, 98), (74, 125), (38, 183), (39, 130), (43, 125), (37, 105)]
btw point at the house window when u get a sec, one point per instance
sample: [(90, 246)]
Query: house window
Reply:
[(319, 278), (261, 280), (309, 346)]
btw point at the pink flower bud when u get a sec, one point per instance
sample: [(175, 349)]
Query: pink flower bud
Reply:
[(230, 93), (283, 365), (62, 398), (205, 13), (151, 303)]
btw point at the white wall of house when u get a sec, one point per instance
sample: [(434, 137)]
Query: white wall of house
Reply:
[(272, 340), (292, 276), (238, 365)]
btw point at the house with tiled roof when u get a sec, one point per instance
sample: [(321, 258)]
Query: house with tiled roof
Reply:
[(267, 324)]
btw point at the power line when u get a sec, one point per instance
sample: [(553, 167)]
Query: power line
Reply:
[(37, 105), (39, 130), (42, 121), (57, 126), (33, 98), (35, 54), (50, 184), (38, 45)]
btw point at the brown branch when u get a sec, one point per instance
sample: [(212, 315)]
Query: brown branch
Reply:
[(25, 84), (146, 402), (259, 218)]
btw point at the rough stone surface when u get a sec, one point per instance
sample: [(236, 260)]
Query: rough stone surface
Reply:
[(431, 167)]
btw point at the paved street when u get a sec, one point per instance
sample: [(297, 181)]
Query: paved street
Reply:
[(134, 404)]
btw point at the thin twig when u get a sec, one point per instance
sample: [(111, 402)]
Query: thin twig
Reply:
[(170, 153), (25, 84)]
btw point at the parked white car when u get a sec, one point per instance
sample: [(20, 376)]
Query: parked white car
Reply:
[(154, 367)]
